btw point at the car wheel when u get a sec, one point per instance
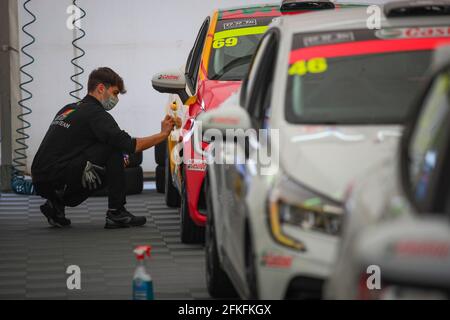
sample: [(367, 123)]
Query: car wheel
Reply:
[(135, 160), (190, 232), (218, 282), (159, 179), (134, 180), (160, 153), (172, 196), (250, 269)]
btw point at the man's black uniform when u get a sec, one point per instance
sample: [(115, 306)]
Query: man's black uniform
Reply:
[(81, 132)]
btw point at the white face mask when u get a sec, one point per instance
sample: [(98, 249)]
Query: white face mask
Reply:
[(110, 103)]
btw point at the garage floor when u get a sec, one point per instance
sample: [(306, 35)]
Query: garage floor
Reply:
[(34, 257)]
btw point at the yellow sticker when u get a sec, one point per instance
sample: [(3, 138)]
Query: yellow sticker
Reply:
[(230, 42), (240, 32), (302, 67)]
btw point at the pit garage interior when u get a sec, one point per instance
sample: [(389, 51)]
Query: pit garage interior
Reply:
[(353, 203)]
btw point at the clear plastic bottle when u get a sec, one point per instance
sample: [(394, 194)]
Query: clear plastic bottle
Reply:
[(142, 281)]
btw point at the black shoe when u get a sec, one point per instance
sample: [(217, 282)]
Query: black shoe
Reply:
[(121, 218), (55, 214)]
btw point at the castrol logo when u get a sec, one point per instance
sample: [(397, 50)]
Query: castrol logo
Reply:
[(168, 77), (414, 33), (431, 32)]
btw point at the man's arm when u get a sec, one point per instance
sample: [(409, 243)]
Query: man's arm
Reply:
[(146, 143), (107, 131)]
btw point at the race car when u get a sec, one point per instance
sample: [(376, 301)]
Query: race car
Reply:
[(321, 105), (396, 229), (216, 66)]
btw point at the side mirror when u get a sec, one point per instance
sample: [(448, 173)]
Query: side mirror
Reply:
[(424, 143), (412, 256), (171, 82), (227, 119)]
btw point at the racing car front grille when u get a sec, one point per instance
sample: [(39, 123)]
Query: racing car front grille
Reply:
[(304, 288)]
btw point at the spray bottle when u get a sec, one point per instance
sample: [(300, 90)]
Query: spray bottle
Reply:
[(142, 281)]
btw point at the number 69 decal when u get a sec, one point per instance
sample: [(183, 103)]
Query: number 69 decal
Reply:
[(229, 42), (302, 67)]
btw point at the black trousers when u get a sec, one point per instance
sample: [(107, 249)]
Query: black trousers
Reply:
[(69, 189)]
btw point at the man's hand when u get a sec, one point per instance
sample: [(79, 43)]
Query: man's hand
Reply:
[(167, 125), (166, 128), (90, 178)]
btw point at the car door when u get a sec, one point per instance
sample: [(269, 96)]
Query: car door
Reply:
[(239, 176)]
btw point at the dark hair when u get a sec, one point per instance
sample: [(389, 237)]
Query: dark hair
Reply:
[(106, 76)]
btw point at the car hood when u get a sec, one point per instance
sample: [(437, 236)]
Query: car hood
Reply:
[(212, 93), (327, 159)]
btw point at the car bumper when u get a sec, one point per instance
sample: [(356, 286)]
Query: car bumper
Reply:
[(283, 273), (194, 187), (195, 172)]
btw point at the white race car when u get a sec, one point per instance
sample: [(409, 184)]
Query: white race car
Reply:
[(330, 99), (396, 237)]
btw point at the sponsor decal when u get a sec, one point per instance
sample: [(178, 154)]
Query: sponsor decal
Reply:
[(368, 47), (436, 249), (168, 77), (64, 115), (240, 24), (314, 66), (230, 42), (413, 33), (272, 260), (364, 42), (59, 120), (196, 165), (328, 38), (223, 120), (389, 34), (61, 124), (240, 32)]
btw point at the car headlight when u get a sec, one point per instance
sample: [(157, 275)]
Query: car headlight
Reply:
[(292, 207)]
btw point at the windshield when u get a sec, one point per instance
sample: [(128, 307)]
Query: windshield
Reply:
[(235, 42), (357, 77)]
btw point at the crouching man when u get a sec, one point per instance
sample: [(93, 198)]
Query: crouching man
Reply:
[(83, 151)]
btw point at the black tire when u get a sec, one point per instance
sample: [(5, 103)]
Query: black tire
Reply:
[(135, 160), (250, 268), (159, 179), (172, 196), (217, 281), (190, 233), (160, 153), (134, 182)]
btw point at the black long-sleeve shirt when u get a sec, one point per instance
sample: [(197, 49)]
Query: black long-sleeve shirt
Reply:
[(75, 128)]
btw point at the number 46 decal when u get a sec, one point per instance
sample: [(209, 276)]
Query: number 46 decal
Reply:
[(302, 67), (230, 42)]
